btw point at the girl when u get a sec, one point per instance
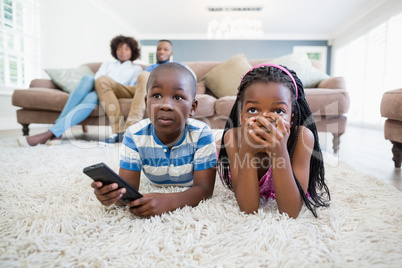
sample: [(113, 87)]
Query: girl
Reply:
[(84, 99), (270, 144)]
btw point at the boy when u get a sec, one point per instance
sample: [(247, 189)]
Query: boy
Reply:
[(169, 147)]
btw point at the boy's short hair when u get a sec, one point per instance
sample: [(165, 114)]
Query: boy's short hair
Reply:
[(165, 40), (183, 70)]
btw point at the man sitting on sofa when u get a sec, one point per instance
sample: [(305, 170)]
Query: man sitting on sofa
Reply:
[(109, 94)]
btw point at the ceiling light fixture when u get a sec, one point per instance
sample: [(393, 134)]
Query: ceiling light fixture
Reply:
[(234, 8), (235, 29)]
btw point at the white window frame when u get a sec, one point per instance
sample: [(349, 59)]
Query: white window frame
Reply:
[(19, 43), (148, 54), (318, 53)]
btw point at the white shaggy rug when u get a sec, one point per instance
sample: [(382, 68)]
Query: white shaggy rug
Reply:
[(50, 217)]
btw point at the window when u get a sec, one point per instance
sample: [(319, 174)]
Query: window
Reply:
[(370, 65), (148, 54), (19, 37)]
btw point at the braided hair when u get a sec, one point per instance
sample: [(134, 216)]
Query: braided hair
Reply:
[(317, 188)]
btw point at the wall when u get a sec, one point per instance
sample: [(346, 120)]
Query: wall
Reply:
[(366, 21), (8, 119), (77, 31)]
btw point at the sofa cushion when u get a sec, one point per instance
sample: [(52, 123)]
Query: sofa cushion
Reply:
[(393, 130), (97, 117), (224, 79), (333, 82), (46, 83), (315, 77), (391, 104), (94, 66), (327, 102), (68, 79), (45, 99), (300, 63), (40, 99), (224, 105), (206, 105)]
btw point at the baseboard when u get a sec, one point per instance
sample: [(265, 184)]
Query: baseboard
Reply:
[(10, 123)]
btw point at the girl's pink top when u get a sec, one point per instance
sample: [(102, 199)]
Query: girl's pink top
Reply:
[(267, 185)]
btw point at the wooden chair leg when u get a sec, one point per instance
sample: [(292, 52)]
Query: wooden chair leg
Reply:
[(85, 128), (335, 141), (25, 129), (397, 152)]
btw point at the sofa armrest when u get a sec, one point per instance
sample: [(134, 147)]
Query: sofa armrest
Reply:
[(46, 83), (333, 83)]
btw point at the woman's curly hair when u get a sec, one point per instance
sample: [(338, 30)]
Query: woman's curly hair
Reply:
[(129, 41)]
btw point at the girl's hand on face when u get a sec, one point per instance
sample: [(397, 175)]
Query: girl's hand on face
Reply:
[(278, 131), (253, 137)]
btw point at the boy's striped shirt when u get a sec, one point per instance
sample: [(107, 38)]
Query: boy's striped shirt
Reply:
[(141, 149)]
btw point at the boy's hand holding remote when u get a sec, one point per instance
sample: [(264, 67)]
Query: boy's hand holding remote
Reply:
[(168, 147), (109, 187), (108, 194)]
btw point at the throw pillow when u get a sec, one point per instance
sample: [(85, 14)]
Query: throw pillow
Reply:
[(301, 64), (68, 79), (316, 76), (224, 79)]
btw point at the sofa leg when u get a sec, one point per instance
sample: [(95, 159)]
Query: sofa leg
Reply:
[(397, 152), (85, 128), (25, 129), (335, 141)]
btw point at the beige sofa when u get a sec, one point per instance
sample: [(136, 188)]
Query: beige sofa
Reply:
[(43, 102)]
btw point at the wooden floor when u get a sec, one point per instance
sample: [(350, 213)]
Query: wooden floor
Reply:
[(363, 148), (366, 150)]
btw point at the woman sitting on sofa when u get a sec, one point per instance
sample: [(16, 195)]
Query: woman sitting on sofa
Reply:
[(84, 98)]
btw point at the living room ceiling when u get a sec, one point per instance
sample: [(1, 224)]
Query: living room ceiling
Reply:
[(280, 19)]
